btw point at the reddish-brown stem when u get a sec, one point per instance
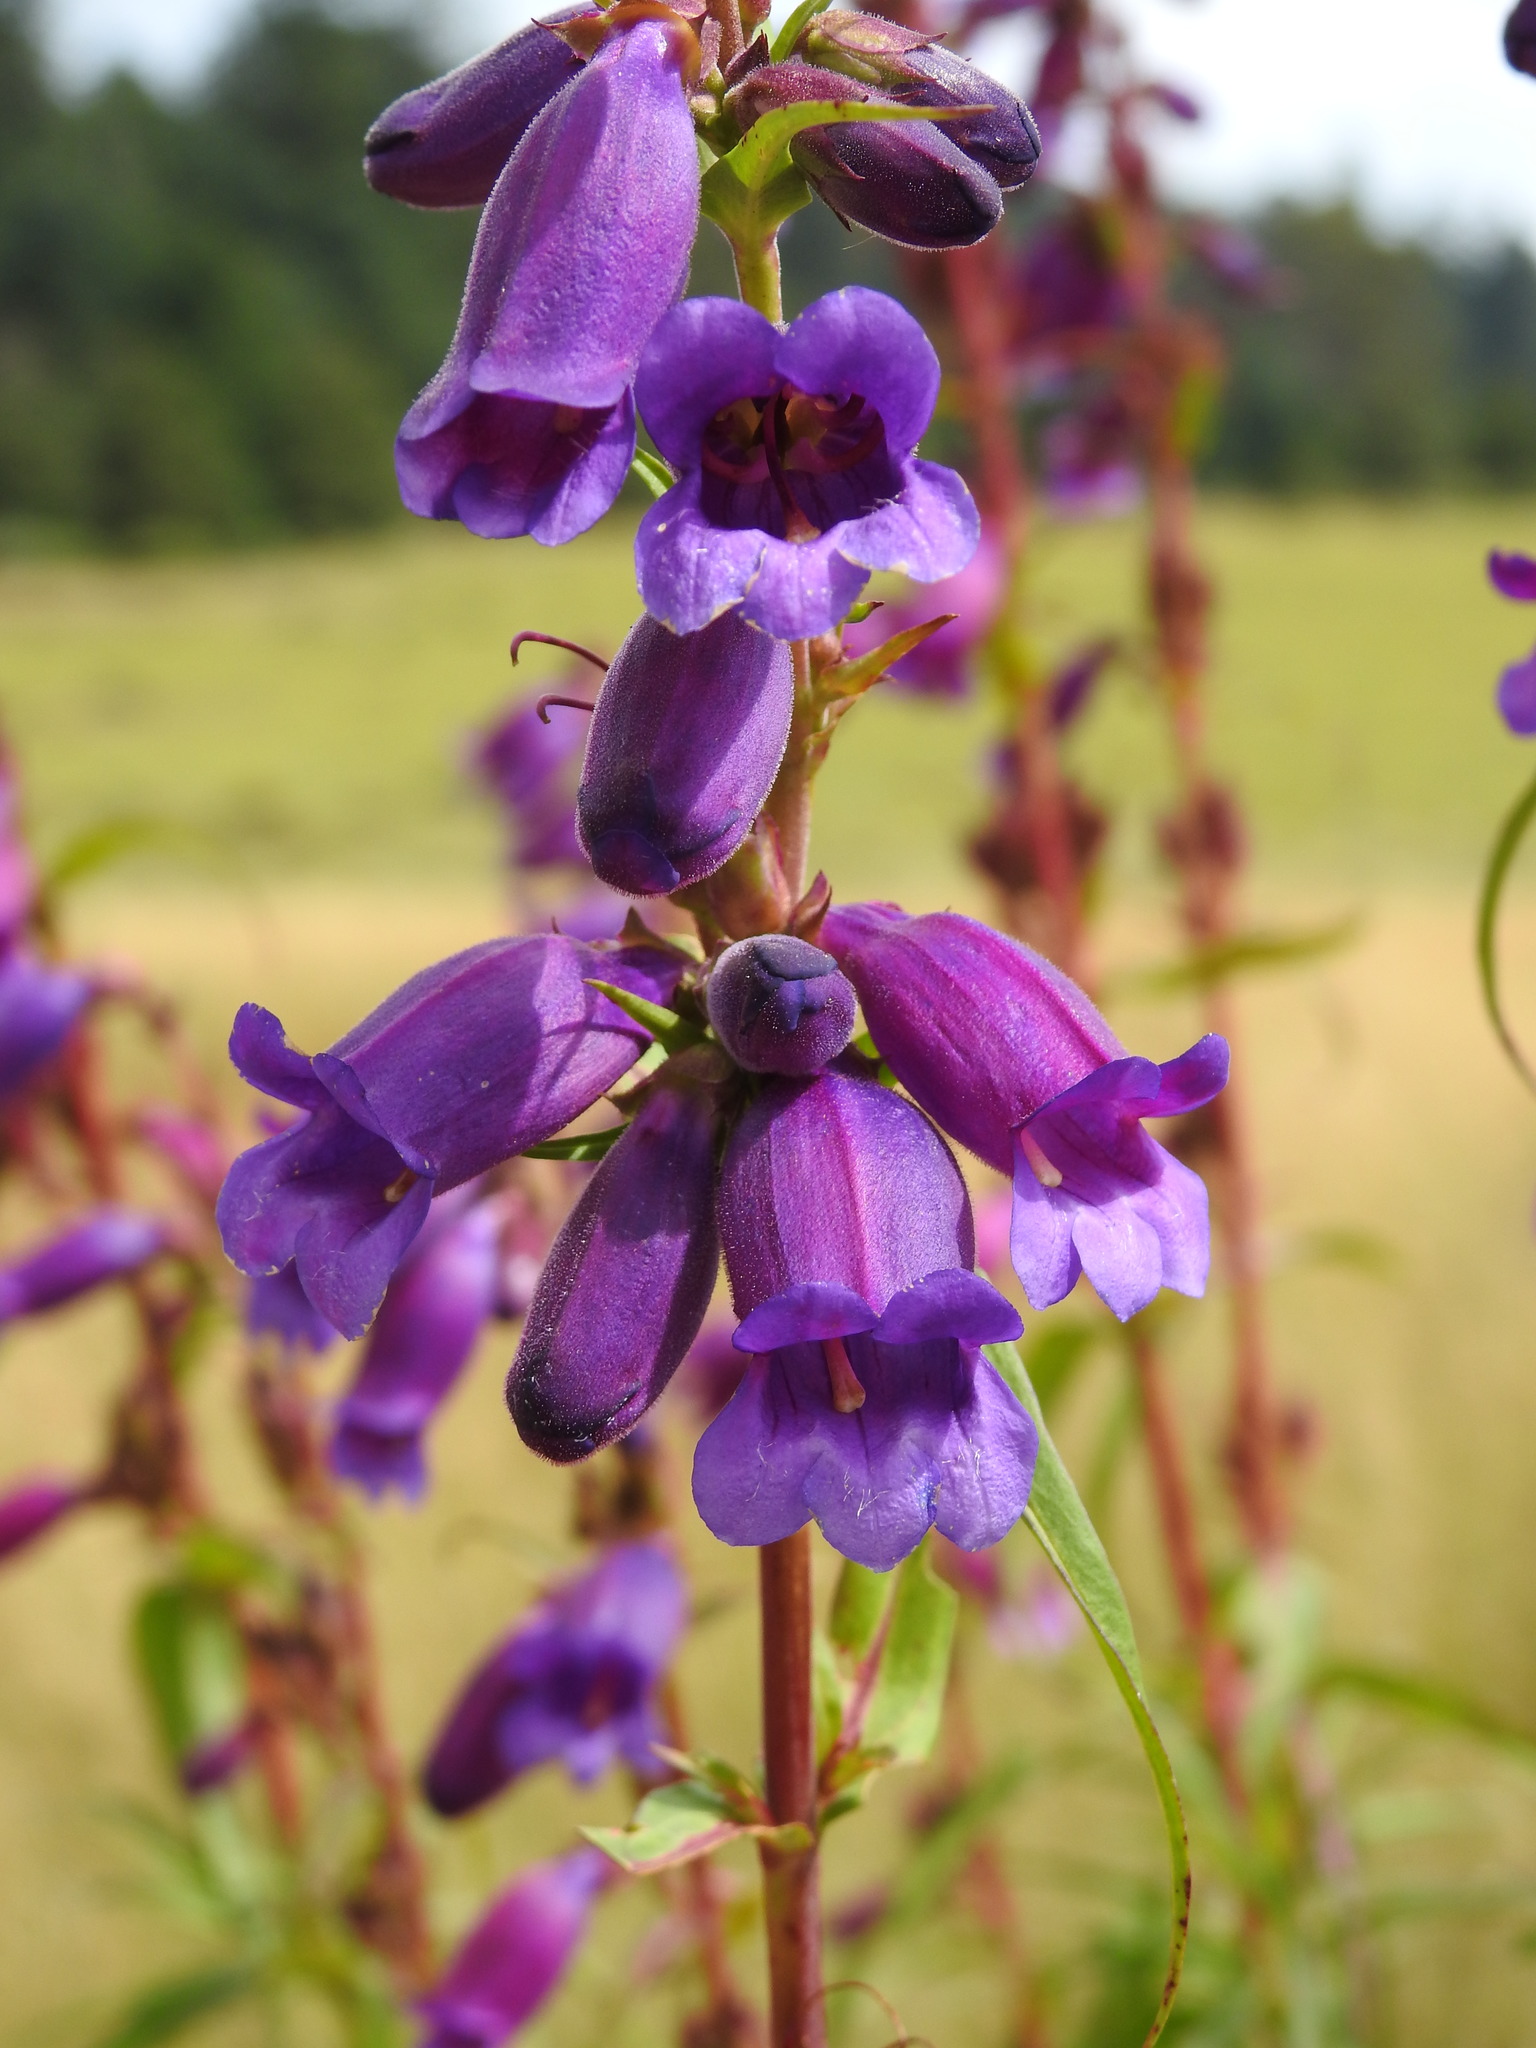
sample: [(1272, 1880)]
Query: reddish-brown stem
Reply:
[(1220, 1677), (789, 802), (791, 1891)]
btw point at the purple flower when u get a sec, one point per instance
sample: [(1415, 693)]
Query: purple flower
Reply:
[(18, 876), (713, 1368), (574, 1683), (1068, 280), (423, 1337), (1516, 696), (1520, 37), (472, 1060), (107, 1245), (1072, 686), (798, 476), (906, 181), (31, 1509), (516, 1955), (529, 425), (627, 1283), (38, 1005), (190, 1143), (1088, 455), (686, 740), (446, 144), (217, 1760), (1512, 575), (867, 1405), (941, 666), (276, 1305), (779, 1006), (1014, 1061), (529, 763)]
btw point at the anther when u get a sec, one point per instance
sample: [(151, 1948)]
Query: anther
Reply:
[(570, 703), (847, 1394), (1048, 1176), (552, 640), (400, 1187)]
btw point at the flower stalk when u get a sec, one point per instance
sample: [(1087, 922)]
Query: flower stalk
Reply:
[(791, 1886)]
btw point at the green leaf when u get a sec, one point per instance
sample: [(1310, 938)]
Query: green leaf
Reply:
[(826, 1695), (1505, 847), (665, 1026), (192, 1664), (1055, 1355), (908, 1698), (1061, 1527), (589, 1145), (650, 470), (672, 1825), (1412, 1693), (792, 30), (1207, 966), (858, 1606), (166, 2010), (103, 845), (761, 153), (851, 678)]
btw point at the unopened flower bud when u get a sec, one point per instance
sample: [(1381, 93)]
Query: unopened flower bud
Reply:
[(446, 144), (31, 1509), (779, 1005)]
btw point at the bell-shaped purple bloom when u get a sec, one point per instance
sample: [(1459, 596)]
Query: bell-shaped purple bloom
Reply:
[(906, 181), (779, 1005), (529, 425), (446, 144), (626, 1285), (106, 1245), (529, 763), (687, 737), (1512, 575), (276, 1305), (1012, 1059), (942, 665), (422, 1338), (1520, 37), (798, 476), (513, 1959), (31, 1509), (469, 1062), (575, 1683), (38, 1005), (867, 1405), (1516, 696)]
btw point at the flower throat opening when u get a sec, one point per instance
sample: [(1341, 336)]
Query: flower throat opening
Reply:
[(793, 463)]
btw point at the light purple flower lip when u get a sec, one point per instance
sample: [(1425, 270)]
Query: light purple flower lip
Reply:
[(798, 476), (528, 427)]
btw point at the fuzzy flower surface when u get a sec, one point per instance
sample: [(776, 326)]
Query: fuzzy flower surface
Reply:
[(797, 467), (514, 1957)]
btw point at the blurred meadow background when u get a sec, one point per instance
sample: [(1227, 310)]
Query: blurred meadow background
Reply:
[(225, 654)]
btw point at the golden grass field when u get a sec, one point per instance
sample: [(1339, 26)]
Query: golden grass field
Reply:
[(303, 714)]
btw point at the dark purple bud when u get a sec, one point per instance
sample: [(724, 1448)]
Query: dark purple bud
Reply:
[(779, 1006), (446, 144), (905, 181), (1520, 37), (1071, 688), (31, 1509), (1517, 697), (38, 1005), (276, 1305), (848, 1240), (627, 1283), (687, 737), (1513, 575), (471, 1061), (1011, 1058), (217, 1760), (107, 1245), (1173, 100), (422, 1339), (575, 1684), (529, 426), (513, 1959)]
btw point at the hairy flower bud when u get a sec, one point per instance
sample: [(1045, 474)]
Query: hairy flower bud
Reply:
[(1520, 37), (445, 144), (512, 1959), (780, 1006), (685, 742), (902, 180), (105, 1246), (31, 1509)]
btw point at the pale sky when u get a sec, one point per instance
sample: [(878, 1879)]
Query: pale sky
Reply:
[(1407, 102)]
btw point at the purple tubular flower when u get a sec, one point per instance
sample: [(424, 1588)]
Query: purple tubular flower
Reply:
[(574, 1684), (867, 1405), (625, 1288), (515, 1956), (528, 762), (434, 1310), (446, 144), (798, 476), (1516, 696), (1014, 1061), (905, 181), (107, 1245), (1520, 38), (277, 1305), (472, 1060), (30, 1510), (1072, 686), (1512, 575), (940, 666), (779, 1005), (529, 425), (685, 742), (38, 1005)]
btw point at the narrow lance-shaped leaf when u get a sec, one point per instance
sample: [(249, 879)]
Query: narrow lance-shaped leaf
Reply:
[(908, 1699), (679, 1823), (165, 2011), (1061, 1527), (858, 1605), (1505, 847), (586, 1145)]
